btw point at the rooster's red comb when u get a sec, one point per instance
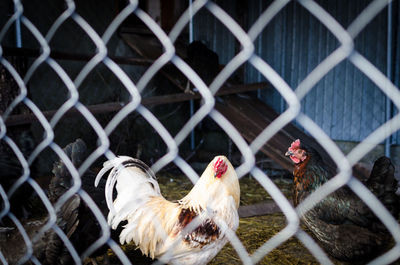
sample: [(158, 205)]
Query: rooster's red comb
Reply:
[(218, 163)]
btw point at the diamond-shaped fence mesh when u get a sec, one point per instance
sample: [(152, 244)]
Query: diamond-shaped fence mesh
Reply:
[(38, 221)]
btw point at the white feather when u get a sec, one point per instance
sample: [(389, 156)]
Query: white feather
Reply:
[(133, 183), (153, 222)]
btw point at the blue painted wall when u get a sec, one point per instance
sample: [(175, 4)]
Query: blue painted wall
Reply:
[(345, 103)]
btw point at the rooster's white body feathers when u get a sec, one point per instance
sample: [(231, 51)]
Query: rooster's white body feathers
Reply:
[(163, 229)]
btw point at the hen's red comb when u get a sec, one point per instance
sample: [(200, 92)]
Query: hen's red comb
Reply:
[(295, 145)]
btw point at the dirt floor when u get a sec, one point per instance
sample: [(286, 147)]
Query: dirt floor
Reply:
[(252, 231)]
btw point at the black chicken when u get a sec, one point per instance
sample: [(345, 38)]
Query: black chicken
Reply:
[(87, 229), (23, 199), (342, 223), (71, 217), (74, 218), (204, 61)]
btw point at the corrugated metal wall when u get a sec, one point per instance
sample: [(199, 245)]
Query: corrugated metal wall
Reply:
[(396, 55), (345, 103), (214, 34)]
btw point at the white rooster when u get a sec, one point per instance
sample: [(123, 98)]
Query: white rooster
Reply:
[(157, 226)]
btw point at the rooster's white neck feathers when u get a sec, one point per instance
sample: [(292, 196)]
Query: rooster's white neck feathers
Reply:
[(209, 190)]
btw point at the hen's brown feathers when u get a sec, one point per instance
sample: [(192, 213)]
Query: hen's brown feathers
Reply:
[(301, 181), (343, 224)]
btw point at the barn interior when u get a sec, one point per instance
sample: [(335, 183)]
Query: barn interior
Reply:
[(346, 104)]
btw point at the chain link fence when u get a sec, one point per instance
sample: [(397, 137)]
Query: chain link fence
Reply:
[(292, 95)]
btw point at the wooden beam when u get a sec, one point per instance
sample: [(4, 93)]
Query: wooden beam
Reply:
[(20, 119), (72, 56), (258, 209), (251, 116)]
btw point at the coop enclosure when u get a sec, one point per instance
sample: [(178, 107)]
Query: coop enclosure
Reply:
[(175, 83)]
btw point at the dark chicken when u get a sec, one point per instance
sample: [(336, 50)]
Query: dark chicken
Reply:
[(49, 248), (86, 228), (74, 218), (342, 223), (23, 200)]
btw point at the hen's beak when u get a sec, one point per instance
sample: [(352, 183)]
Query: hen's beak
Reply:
[(289, 153)]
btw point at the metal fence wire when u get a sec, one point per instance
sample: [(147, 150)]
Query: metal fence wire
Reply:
[(293, 96)]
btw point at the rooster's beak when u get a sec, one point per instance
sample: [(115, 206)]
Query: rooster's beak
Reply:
[(289, 153)]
